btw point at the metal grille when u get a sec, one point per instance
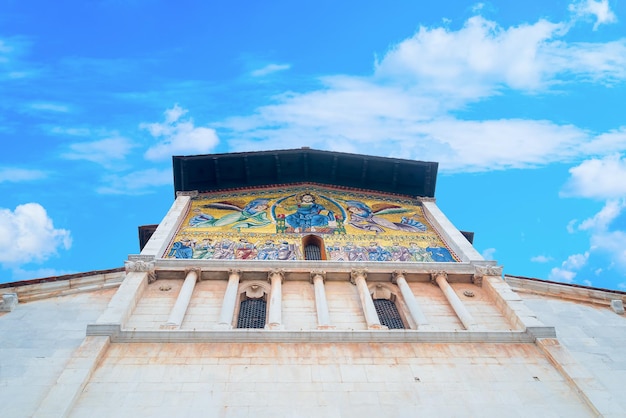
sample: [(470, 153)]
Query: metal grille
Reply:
[(251, 314), (312, 252), (388, 314)]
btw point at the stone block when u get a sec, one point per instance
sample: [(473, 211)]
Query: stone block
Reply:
[(8, 302), (617, 306)]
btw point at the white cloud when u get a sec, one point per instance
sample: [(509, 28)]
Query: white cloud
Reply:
[(598, 9), (136, 183), (269, 69), (16, 175), (49, 107), (598, 178), (610, 142), (103, 151), (488, 253), (28, 234), (350, 114), (602, 220), (562, 275), (569, 268), (407, 107), (541, 259), (607, 235), (58, 130), (11, 66), (178, 136), (482, 57)]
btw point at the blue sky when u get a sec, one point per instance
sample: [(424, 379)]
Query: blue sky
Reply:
[(521, 103)]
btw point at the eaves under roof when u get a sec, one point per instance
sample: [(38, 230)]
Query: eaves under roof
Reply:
[(214, 172)]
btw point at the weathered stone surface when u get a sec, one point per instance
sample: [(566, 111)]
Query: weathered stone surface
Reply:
[(8, 302)]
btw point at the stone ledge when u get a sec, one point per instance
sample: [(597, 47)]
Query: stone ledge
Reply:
[(119, 335), (565, 291), (36, 291)]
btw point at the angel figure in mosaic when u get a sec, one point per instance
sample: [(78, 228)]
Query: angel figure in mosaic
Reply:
[(252, 215), (368, 219)]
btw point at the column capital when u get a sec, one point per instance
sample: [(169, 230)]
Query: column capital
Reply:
[(357, 273), (434, 275), (397, 273), (320, 273), (423, 199), (234, 271), (197, 270), (273, 272)]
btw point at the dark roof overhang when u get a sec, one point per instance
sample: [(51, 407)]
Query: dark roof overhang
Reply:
[(214, 172)]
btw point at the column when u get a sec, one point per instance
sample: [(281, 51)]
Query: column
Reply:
[(418, 316), (182, 302), (321, 305), (275, 277), (230, 300), (466, 318), (357, 277)]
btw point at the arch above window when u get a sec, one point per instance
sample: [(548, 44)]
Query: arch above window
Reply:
[(313, 248)]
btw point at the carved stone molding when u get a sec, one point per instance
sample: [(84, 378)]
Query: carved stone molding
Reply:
[(435, 274), (489, 271), (321, 273), (395, 274), (190, 193), (139, 266), (356, 273), (273, 272), (482, 271)]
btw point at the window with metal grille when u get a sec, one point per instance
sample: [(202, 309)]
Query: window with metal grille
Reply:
[(388, 314), (252, 313), (312, 252)]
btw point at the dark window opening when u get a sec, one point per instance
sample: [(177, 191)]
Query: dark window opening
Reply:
[(312, 252), (252, 313), (313, 248), (388, 314)]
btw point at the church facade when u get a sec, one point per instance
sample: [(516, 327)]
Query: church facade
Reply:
[(308, 283)]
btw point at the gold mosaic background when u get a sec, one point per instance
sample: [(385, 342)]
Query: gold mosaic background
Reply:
[(269, 224)]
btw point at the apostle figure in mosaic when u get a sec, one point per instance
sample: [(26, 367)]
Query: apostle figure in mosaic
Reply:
[(419, 254), (399, 253), (440, 254), (365, 218), (377, 253), (183, 248), (245, 250), (267, 251), (204, 249)]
